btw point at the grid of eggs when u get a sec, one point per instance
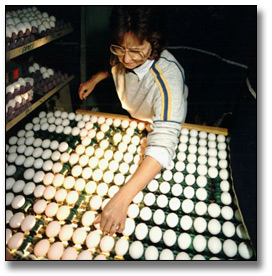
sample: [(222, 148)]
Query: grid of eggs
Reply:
[(62, 169), (23, 25), (18, 97)]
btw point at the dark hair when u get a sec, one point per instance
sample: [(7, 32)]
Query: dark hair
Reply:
[(144, 22)]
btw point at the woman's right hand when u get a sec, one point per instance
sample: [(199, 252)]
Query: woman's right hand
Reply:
[(86, 88)]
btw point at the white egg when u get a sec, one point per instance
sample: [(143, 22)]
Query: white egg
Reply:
[(178, 177), (200, 224), (245, 250), (133, 210), (166, 254), (199, 243), (187, 206), (52, 229), (93, 239), (214, 245), (189, 192), (66, 232), (149, 199), (190, 179), (16, 220), (79, 236), (214, 226), (63, 213), (106, 243), (226, 198), (214, 210), (169, 237), (129, 227), (85, 255), (230, 248), (41, 248), (48, 179), (201, 194), (227, 212), (121, 246), (95, 202), (151, 253), (158, 217), (60, 195), (10, 182), (16, 241), (224, 186), (18, 202), (141, 231), (186, 222), (201, 208), (162, 201), (51, 209), (145, 213), (70, 253), (55, 251), (10, 170), (136, 250), (174, 203), (155, 234), (228, 229)]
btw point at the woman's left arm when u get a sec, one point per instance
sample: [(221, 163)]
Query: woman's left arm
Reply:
[(115, 212)]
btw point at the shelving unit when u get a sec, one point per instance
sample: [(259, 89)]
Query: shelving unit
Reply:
[(26, 49)]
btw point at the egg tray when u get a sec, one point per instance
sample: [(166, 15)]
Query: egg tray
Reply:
[(84, 205)]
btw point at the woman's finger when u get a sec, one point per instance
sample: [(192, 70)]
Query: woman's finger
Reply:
[(114, 228)]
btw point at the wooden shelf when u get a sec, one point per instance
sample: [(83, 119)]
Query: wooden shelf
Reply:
[(36, 104), (36, 44), (215, 130)]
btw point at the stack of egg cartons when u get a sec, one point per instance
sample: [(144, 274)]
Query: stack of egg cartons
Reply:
[(18, 97), (25, 25)]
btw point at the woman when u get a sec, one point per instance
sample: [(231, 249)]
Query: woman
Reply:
[(150, 84)]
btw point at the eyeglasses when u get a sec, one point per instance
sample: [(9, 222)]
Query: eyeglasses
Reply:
[(136, 55)]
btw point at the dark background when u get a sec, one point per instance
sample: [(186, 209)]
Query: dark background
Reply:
[(207, 37)]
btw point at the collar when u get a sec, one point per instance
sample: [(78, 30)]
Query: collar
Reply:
[(143, 69)]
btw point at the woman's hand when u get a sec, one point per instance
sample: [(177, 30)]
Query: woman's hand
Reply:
[(86, 88), (113, 217)]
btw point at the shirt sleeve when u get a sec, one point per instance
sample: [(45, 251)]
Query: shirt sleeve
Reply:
[(169, 107), (160, 154)]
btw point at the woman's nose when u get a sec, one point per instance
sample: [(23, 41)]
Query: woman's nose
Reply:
[(127, 58)]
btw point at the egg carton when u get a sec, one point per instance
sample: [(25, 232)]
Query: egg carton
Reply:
[(26, 25), (18, 97), (74, 129)]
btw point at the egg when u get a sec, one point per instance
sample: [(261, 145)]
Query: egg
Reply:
[(214, 245), (199, 243), (85, 255), (100, 257), (245, 250), (76, 171), (221, 146), (16, 220), (214, 210), (149, 199), (201, 194), (51, 209), (106, 243), (49, 192), (108, 177), (52, 229), (201, 181), (155, 234), (226, 198), (129, 227), (224, 186), (38, 163), (228, 229), (189, 192), (227, 212), (190, 179), (141, 231), (230, 248), (63, 213), (10, 182), (183, 256), (200, 224), (72, 197), (90, 187), (95, 202), (41, 248), (214, 226), (172, 220), (60, 195), (145, 213), (138, 198), (79, 236), (58, 180), (70, 253), (66, 232), (38, 177), (166, 254), (223, 174), (176, 190), (187, 206), (184, 241), (169, 237), (174, 204), (121, 246), (201, 208), (93, 239), (158, 217), (28, 223), (9, 198), (162, 201), (16, 241), (186, 222), (17, 186), (119, 179), (136, 250), (18, 202), (198, 257), (55, 251)]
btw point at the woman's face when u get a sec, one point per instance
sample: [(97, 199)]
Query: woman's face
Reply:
[(130, 42)]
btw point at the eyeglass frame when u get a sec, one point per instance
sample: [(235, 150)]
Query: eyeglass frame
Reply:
[(128, 51)]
